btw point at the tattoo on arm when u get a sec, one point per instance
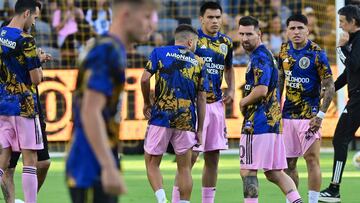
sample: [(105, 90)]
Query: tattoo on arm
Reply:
[(328, 85), (251, 187)]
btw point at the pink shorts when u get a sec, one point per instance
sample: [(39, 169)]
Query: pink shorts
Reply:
[(20, 133), (296, 138), (157, 140), (214, 131), (262, 151)]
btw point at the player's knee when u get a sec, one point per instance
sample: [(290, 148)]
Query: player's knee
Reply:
[(43, 165), (211, 161), (272, 177), (194, 157), (251, 186), (312, 159)]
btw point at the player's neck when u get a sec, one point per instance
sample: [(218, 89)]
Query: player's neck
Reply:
[(355, 30), (16, 22), (299, 45), (208, 33), (120, 35)]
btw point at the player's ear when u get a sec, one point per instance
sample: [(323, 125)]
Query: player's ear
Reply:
[(259, 33), (201, 19), (27, 13)]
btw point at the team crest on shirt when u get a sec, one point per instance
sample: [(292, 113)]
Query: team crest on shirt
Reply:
[(3, 32), (223, 48), (304, 62)]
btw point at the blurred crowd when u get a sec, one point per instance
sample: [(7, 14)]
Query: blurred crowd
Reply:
[(66, 25)]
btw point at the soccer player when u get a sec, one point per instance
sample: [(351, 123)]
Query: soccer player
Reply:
[(92, 167), (305, 71), (43, 157), (19, 115), (349, 122), (216, 49), (180, 98), (261, 144)]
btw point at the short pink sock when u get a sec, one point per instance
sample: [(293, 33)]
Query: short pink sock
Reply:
[(29, 184), (175, 195), (208, 194), (294, 197), (251, 200)]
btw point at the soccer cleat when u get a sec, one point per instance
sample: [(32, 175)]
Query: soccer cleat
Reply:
[(329, 196)]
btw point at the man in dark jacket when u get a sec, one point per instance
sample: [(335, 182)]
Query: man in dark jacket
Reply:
[(349, 122)]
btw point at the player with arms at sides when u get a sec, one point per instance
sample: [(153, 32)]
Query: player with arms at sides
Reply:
[(261, 144), (20, 72), (216, 49), (305, 71), (92, 166), (43, 157), (180, 103)]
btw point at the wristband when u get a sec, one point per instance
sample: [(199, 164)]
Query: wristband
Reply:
[(320, 114)]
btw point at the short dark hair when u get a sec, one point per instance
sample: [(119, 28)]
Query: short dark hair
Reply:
[(248, 21), (39, 5), (22, 5), (209, 5), (298, 18), (350, 12), (186, 28)]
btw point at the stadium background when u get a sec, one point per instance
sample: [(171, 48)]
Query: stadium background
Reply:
[(84, 19)]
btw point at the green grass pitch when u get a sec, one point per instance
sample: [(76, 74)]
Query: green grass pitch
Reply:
[(229, 188)]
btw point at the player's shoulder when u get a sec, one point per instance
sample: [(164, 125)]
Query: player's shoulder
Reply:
[(285, 46), (165, 48), (199, 59), (262, 55), (26, 35), (315, 47), (225, 38)]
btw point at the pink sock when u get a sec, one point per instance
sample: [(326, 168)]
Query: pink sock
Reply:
[(30, 184), (251, 200), (294, 197), (208, 194), (175, 195)]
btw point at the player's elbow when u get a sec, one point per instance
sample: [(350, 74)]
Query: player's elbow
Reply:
[(201, 97), (261, 91), (36, 76), (145, 78), (331, 91), (145, 81)]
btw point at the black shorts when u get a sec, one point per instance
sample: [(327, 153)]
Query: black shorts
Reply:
[(94, 194), (42, 154)]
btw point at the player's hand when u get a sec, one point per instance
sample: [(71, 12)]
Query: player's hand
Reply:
[(228, 96), (315, 124), (44, 57), (147, 111), (198, 138), (242, 107), (344, 38), (112, 181)]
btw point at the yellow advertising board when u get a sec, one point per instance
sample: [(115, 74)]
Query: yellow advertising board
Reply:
[(56, 92)]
